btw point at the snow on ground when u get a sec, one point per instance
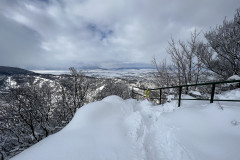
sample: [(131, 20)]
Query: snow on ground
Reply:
[(116, 129), (196, 93), (233, 95), (234, 77), (11, 82), (54, 72), (100, 88), (40, 81), (103, 73)]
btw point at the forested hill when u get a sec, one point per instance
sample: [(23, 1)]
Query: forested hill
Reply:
[(13, 71)]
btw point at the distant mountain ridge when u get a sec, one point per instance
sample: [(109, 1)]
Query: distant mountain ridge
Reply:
[(4, 70)]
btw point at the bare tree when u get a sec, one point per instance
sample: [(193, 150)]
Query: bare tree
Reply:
[(164, 76), (34, 111), (73, 90), (224, 56), (29, 117), (186, 65)]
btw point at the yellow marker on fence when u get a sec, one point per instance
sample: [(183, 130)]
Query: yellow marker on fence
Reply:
[(147, 93)]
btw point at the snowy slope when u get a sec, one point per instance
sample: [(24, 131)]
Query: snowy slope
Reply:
[(116, 129)]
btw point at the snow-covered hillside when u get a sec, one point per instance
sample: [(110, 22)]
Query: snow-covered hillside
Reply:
[(117, 129)]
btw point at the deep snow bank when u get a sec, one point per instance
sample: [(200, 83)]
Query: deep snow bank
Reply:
[(116, 129)]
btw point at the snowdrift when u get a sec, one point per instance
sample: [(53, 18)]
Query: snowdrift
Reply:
[(117, 129)]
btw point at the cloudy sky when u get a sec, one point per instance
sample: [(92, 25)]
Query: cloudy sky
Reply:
[(104, 33)]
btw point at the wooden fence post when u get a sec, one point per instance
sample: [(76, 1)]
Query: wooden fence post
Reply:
[(180, 95), (212, 93), (160, 98)]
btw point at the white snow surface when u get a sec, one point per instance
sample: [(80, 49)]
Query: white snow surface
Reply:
[(196, 93), (117, 129), (234, 77), (11, 82), (233, 95), (103, 73)]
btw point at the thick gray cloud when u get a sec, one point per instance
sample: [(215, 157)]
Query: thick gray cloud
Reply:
[(106, 33)]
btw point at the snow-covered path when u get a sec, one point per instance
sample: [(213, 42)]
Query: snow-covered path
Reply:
[(116, 129)]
